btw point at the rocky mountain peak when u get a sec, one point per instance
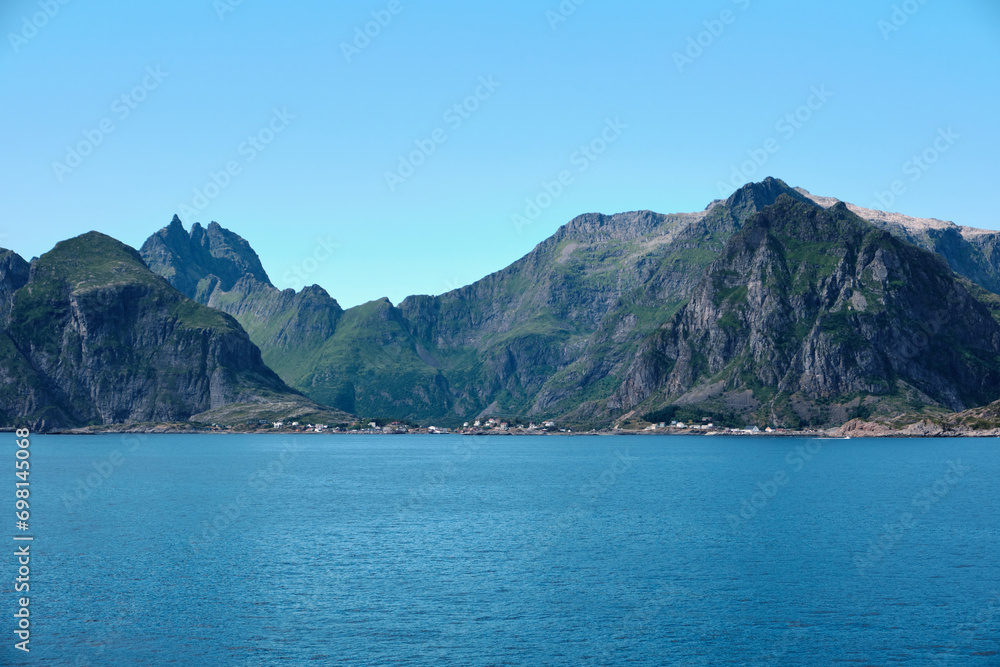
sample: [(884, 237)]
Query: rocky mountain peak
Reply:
[(753, 197), (807, 309), (95, 337), (186, 259), (598, 228)]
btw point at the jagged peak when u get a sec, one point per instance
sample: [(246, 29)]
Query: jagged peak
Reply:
[(598, 226), (761, 194), (315, 290), (805, 220)]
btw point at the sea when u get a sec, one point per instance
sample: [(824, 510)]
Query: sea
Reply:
[(521, 550)]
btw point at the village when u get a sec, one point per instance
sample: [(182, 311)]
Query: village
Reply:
[(478, 427), (494, 426)]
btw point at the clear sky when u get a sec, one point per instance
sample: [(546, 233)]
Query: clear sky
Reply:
[(115, 115)]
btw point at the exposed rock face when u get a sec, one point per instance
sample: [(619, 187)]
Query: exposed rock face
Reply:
[(534, 338), (572, 330), (807, 306), (96, 338), (219, 269), (13, 276), (970, 252), (185, 260)]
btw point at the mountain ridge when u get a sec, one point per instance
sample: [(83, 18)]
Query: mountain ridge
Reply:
[(95, 337), (772, 306), (823, 309), (551, 335)]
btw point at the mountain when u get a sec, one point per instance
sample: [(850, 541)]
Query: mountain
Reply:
[(809, 314), (13, 276), (191, 261), (973, 253), (364, 358), (95, 337), (219, 269), (485, 349), (551, 334), (571, 331)]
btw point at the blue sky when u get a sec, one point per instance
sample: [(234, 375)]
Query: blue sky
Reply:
[(255, 115)]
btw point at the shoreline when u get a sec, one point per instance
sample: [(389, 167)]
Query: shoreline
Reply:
[(831, 434)]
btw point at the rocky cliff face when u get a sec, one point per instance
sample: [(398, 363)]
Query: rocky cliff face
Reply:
[(13, 276), (552, 334), (22, 390), (970, 252), (809, 310), (186, 260), (582, 318), (96, 338), (219, 269)]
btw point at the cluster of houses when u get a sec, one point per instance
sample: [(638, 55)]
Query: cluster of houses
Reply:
[(497, 425), (296, 426), (370, 428), (708, 426), (490, 425), (681, 425)]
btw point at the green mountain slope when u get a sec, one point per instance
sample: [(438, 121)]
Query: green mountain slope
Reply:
[(550, 335), (809, 315), (94, 337), (972, 253), (557, 334)]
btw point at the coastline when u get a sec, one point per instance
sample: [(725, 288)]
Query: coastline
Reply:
[(851, 431)]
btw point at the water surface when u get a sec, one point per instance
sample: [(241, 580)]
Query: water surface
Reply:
[(420, 550)]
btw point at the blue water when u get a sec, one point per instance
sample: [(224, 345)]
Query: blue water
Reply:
[(444, 550)]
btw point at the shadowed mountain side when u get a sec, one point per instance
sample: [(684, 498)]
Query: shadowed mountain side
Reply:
[(14, 272), (809, 314), (562, 333), (100, 339), (185, 260), (973, 253), (554, 330)]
